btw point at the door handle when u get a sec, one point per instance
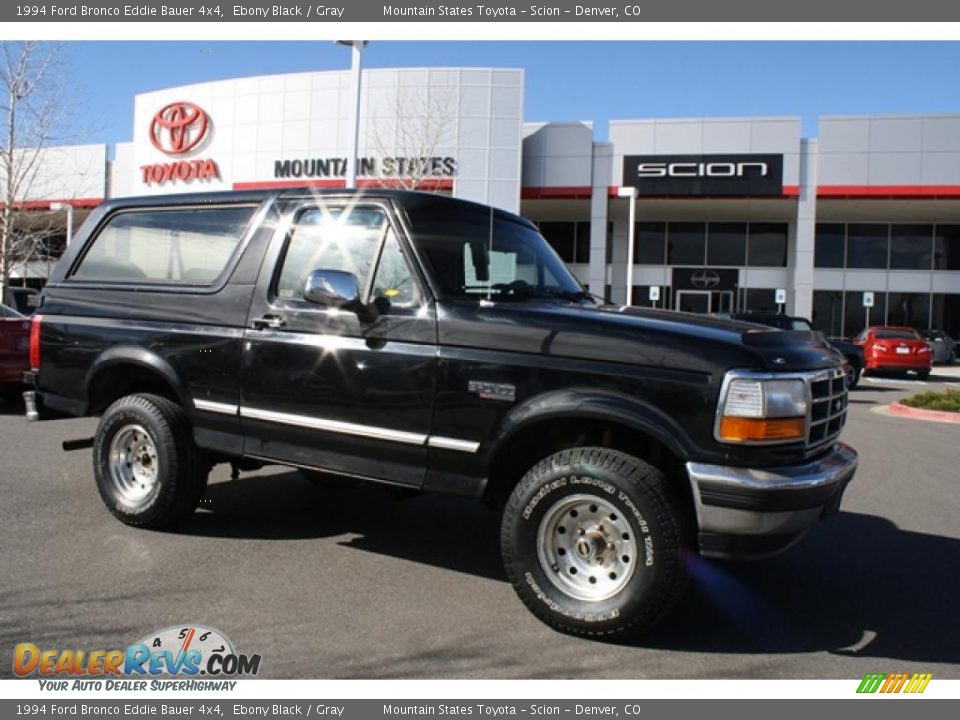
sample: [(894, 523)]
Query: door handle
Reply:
[(269, 321)]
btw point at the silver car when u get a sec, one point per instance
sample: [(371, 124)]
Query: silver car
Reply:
[(944, 346)]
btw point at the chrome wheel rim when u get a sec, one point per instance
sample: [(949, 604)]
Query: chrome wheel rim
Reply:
[(133, 465), (586, 547)]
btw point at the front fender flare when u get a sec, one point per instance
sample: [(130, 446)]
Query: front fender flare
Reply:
[(593, 404)]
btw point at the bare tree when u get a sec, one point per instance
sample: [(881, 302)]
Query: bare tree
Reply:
[(32, 101), (411, 134)]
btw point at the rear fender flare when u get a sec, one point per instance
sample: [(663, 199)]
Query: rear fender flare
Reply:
[(140, 357)]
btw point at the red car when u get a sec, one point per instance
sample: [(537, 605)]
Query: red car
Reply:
[(14, 350), (895, 348)]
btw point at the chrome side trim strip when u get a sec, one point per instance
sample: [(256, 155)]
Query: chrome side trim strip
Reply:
[(340, 342), (335, 426), (445, 443), (215, 407)]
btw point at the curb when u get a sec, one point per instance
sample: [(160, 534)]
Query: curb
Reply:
[(921, 414)]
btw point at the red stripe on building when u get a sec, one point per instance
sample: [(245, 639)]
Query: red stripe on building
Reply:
[(556, 193), (890, 192), (788, 191), (399, 184)]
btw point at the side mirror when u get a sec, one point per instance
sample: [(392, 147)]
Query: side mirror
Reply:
[(333, 288)]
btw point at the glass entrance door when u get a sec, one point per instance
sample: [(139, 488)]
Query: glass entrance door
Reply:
[(705, 301), (721, 301), (695, 301)]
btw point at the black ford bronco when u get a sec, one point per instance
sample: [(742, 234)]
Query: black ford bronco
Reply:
[(438, 345)]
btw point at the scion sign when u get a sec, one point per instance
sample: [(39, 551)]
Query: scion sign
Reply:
[(743, 175)]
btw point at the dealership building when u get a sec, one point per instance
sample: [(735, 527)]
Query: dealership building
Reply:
[(858, 225)]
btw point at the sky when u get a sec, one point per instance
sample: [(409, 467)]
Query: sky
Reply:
[(565, 81)]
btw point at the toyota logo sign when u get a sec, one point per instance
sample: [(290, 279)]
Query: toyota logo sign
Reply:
[(705, 279), (178, 128)]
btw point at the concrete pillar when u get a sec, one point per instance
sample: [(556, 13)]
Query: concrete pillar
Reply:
[(800, 294), (600, 182)]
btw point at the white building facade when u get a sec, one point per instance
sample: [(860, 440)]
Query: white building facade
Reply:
[(858, 225)]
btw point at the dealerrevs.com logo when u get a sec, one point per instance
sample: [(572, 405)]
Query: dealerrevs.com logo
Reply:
[(181, 651)]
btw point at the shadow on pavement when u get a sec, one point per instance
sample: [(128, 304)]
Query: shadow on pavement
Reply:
[(455, 533), (856, 585)]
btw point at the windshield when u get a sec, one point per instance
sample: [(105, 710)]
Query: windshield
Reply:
[(6, 312), (516, 263)]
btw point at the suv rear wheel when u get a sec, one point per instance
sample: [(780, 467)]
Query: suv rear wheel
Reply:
[(592, 543), (149, 472)]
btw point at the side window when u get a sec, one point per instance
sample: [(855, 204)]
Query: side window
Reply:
[(393, 281), (189, 246), (330, 238)]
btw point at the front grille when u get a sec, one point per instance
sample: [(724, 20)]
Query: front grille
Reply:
[(828, 407)]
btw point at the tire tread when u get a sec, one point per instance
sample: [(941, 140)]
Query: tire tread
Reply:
[(650, 481)]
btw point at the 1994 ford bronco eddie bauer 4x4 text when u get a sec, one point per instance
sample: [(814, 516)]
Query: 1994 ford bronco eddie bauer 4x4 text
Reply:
[(438, 345)]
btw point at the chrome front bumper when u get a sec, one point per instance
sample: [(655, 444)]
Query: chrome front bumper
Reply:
[(755, 512)]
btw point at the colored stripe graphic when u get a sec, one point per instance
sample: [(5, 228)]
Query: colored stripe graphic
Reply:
[(895, 683), (871, 682)]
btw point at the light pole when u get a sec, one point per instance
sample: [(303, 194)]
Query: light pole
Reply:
[(356, 65), (69, 208), (631, 194)]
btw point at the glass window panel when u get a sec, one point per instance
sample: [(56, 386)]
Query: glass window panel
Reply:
[(761, 300), (828, 312), (946, 254), (909, 310), (855, 314), (911, 247), (641, 297), (560, 235), (829, 248), (650, 243), (582, 253), (189, 246), (767, 245), (727, 244), (946, 314), (686, 243), (867, 246)]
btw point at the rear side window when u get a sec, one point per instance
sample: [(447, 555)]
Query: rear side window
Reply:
[(189, 246)]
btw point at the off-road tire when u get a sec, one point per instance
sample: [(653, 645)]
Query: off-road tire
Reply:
[(630, 489), (181, 469)]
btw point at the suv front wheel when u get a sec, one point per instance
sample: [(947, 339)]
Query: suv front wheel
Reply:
[(149, 472), (592, 543)]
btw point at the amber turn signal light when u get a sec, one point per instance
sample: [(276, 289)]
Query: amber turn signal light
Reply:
[(740, 429)]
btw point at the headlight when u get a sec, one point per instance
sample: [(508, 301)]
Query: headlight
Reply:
[(762, 410)]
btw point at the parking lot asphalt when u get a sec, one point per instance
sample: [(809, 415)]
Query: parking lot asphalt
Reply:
[(357, 583)]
